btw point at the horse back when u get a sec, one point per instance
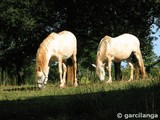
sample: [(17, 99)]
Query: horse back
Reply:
[(119, 48), (68, 44), (126, 39), (126, 42)]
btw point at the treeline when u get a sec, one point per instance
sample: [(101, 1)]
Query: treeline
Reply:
[(24, 24)]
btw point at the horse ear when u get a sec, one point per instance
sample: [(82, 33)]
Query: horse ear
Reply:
[(94, 65)]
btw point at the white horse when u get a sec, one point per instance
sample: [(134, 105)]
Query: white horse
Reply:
[(56, 47), (118, 49)]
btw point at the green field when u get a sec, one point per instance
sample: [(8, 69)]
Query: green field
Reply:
[(93, 101)]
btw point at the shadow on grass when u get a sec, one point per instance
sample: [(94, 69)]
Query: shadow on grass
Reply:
[(88, 106), (32, 88)]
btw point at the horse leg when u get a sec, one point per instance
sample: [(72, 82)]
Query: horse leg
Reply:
[(74, 61), (109, 72), (132, 69), (60, 72), (64, 73), (138, 56), (46, 76)]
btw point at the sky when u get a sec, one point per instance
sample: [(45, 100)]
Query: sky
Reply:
[(156, 43), (157, 47)]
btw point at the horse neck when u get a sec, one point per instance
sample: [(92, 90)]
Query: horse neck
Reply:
[(42, 60), (101, 55), (99, 59)]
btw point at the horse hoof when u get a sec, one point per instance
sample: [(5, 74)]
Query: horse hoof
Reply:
[(62, 85), (75, 84), (129, 80), (109, 81)]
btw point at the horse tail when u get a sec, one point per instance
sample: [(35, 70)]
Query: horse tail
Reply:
[(139, 58), (70, 71), (142, 68)]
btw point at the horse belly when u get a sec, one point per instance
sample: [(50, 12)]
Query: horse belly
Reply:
[(122, 54), (121, 57), (67, 53), (69, 46)]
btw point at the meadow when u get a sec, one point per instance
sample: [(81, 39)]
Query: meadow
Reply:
[(93, 101)]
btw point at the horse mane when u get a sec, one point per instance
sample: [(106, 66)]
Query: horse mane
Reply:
[(103, 46), (40, 60), (42, 51), (47, 41)]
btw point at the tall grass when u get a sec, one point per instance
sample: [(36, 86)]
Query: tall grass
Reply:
[(87, 101)]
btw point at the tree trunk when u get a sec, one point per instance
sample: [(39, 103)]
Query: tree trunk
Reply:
[(3, 74), (20, 75)]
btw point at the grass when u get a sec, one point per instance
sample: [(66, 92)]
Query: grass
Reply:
[(94, 101)]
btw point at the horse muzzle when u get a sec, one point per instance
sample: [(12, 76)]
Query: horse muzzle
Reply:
[(41, 84)]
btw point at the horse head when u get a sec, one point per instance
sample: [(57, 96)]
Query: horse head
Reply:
[(41, 77), (100, 72)]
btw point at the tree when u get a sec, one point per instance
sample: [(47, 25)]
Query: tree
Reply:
[(24, 24), (92, 20), (17, 26)]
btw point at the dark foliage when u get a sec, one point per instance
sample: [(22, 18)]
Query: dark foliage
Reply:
[(24, 24)]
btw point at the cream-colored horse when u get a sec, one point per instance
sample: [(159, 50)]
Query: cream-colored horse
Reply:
[(56, 47), (118, 49)]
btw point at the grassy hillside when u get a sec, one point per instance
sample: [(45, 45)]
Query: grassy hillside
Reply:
[(94, 101)]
